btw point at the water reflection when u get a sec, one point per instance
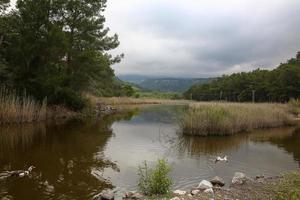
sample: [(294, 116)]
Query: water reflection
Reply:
[(285, 138), (67, 159), (19, 138), (78, 160), (195, 146)]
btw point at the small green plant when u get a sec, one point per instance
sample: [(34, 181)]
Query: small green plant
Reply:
[(155, 181)]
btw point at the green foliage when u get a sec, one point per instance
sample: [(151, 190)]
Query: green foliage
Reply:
[(278, 85), (60, 50), (155, 181), (128, 90), (288, 187), (159, 95)]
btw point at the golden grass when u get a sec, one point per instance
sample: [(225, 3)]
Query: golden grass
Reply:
[(116, 101), (20, 109), (216, 118), (294, 107)]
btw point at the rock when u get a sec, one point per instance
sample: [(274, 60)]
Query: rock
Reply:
[(194, 192), (204, 184), (239, 178), (106, 195), (175, 198), (217, 181), (179, 192), (133, 195), (259, 177), (137, 196), (210, 190), (189, 195)]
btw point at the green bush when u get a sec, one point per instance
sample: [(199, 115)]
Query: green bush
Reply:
[(70, 99), (155, 181)]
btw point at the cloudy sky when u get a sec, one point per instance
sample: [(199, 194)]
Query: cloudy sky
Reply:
[(203, 38), (200, 38)]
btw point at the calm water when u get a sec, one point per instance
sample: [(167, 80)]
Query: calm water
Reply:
[(78, 160)]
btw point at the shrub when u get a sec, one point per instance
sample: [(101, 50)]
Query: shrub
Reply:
[(69, 98), (155, 181)]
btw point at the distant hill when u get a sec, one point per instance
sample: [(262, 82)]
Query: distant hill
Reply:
[(163, 84), (171, 84), (136, 79)]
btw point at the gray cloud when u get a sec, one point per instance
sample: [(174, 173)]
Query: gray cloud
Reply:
[(195, 38), (203, 38)]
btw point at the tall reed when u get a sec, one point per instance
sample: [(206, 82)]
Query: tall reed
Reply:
[(15, 108), (228, 118)]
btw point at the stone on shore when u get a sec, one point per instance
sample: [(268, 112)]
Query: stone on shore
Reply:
[(194, 192), (204, 184), (210, 190), (217, 181), (239, 178), (179, 192), (105, 195), (175, 198), (133, 195)]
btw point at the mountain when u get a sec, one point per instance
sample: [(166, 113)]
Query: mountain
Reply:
[(136, 79), (171, 84), (163, 84)]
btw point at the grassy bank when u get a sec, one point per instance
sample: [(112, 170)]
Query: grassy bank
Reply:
[(16, 108), (228, 118), (287, 187)]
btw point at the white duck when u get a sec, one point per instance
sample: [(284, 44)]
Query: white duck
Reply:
[(220, 159), (22, 173)]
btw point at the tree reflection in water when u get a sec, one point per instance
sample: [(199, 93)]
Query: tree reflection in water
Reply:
[(195, 146), (285, 138), (68, 165)]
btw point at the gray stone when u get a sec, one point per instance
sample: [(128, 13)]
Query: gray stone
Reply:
[(217, 181), (194, 192), (259, 177), (133, 195), (179, 192), (204, 184), (239, 178), (209, 190), (106, 195)]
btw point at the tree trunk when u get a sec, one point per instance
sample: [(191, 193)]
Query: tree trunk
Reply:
[(1, 39)]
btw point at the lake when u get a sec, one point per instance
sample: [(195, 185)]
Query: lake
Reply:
[(77, 160)]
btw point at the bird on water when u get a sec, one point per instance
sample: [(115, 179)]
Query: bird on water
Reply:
[(22, 173), (220, 159)]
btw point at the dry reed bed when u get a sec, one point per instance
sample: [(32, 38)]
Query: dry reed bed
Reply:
[(115, 101), (214, 118), (20, 108)]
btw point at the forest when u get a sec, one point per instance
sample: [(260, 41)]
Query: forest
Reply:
[(58, 50), (278, 85)]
